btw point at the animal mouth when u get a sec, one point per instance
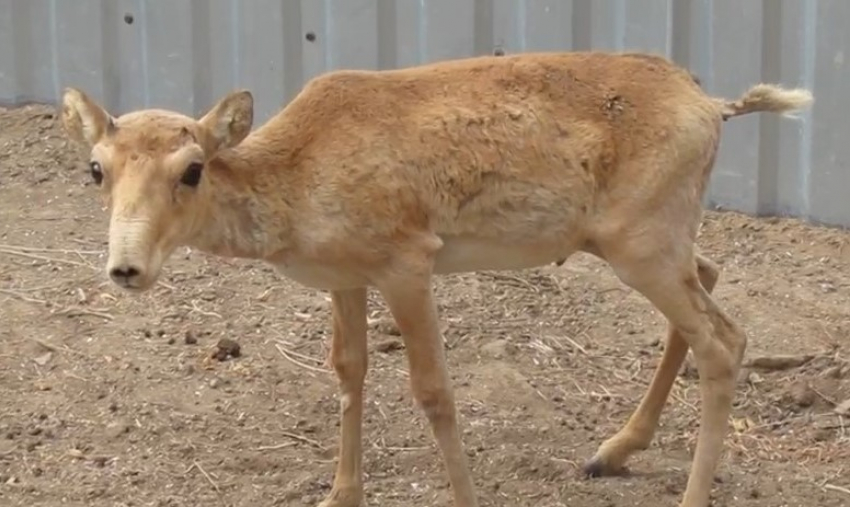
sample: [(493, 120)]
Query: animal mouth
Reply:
[(132, 287)]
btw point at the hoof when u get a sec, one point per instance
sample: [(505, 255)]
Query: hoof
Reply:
[(343, 498), (596, 467)]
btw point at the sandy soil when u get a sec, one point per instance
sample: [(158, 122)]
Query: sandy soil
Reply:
[(110, 399)]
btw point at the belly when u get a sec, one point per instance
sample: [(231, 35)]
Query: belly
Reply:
[(321, 276), (463, 254), (458, 254)]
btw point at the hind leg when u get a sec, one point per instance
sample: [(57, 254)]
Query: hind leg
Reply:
[(661, 266), (638, 432)]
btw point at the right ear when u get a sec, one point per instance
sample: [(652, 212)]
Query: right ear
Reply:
[(83, 119)]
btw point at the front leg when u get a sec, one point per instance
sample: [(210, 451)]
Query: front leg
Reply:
[(349, 359), (411, 302)]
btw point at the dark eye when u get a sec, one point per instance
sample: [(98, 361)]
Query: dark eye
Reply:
[(96, 172), (192, 175)]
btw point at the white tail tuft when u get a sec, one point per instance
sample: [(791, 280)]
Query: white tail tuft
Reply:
[(769, 98)]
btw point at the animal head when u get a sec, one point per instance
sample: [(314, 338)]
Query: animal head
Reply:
[(150, 166)]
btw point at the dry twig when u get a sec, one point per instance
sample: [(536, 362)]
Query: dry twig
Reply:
[(20, 296), (21, 248), (824, 397), (778, 363), (302, 356), (833, 487), (78, 312), (301, 438), (44, 258), (275, 447), (517, 281), (209, 478), (197, 309), (288, 356), (576, 345)]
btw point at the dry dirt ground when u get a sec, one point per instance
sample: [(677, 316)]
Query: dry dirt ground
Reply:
[(109, 399)]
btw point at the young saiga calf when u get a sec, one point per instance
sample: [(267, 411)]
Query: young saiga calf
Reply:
[(386, 179)]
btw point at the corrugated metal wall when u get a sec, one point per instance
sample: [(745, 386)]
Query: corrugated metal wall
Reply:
[(183, 54)]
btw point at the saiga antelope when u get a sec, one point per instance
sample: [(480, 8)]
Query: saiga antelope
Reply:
[(385, 179)]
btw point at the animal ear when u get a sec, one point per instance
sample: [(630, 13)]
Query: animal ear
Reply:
[(229, 121), (83, 119)]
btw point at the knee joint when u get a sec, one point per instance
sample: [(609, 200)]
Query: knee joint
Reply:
[(349, 369), (436, 403), (715, 361)]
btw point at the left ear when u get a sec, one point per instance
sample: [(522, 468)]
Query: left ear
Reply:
[(229, 121)]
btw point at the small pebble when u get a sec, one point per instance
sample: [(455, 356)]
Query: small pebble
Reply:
[(117, 429)]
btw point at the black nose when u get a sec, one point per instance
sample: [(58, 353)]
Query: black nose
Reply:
[(124, 273)]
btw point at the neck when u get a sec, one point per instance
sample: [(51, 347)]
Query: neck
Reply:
[(247, 215)]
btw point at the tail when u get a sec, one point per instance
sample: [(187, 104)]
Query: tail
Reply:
[(767, 98)]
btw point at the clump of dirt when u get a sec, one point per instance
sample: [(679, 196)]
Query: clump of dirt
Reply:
[(226, 348)]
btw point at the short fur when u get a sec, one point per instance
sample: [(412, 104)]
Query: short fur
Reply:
[(385, 179)]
